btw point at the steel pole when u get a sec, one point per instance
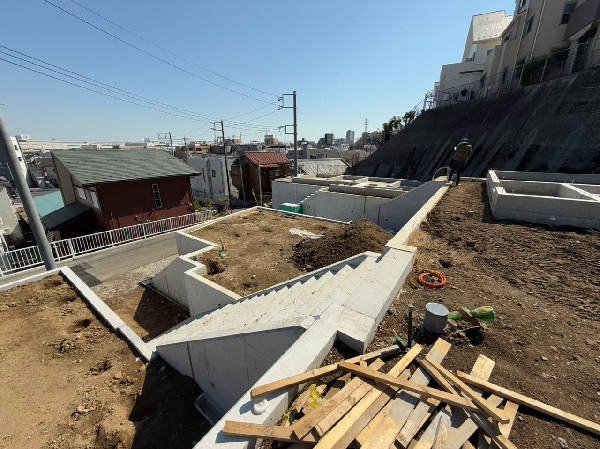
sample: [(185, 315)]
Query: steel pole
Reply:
[(295, 137), (28, 205)]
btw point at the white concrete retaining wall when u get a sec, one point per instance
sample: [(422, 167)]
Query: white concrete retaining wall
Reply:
[(290, 192), (397, 213), (205, 295), (225, 367), (340, 206), (170, 281)]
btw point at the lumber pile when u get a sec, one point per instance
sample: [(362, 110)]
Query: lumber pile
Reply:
[(423, 408)]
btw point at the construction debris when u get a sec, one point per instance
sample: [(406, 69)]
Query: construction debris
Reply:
[(428, 408)]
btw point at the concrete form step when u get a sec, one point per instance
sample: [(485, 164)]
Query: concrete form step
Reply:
[(311, 303), (275, 309)]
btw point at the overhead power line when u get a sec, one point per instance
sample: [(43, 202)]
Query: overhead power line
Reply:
[(116, 93), (183, 58), (158, 58)]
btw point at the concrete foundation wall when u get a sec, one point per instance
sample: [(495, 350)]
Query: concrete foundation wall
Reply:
[(339, 206), (171, 282), (545, 202), (204, 295), (288, 192), (227, 366)]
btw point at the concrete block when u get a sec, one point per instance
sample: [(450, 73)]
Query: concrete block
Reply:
[(178, 356), (205, 295)]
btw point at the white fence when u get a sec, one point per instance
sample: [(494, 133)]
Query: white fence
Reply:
[(22, 259)]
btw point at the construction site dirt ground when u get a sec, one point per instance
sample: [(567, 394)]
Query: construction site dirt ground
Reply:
[(545, 288), (70, 382), (260, 251)]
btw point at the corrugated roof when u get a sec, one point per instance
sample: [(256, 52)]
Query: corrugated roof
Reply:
[(64, 215), (267, 157), (490, 25), (92, 167), (48, 203)]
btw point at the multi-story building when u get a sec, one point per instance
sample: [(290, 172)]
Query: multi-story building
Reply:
[(350, 137), (212, 183), (461, 81)]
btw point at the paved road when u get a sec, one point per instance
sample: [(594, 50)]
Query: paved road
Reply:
[(106, 264)]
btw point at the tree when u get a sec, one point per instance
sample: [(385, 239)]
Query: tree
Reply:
[(392, 127), (408, 117)]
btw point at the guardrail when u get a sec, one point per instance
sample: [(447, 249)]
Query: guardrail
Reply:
[(24, 258)]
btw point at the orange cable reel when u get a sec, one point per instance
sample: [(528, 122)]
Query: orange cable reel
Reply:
[(424, 274)]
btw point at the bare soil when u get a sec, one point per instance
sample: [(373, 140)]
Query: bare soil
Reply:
[(340, 244), (69, 382), (545, 288), (260, 250)]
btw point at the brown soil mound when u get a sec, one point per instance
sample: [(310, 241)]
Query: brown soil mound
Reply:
[(340, 244)]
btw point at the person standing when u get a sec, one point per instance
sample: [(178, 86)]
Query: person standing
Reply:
[(462, 153)]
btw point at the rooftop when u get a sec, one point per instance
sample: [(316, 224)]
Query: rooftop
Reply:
[(267, 157), (92, 167)]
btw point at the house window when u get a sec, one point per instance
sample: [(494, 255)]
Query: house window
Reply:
[(157, 198), (213, 173), (80, 193), (567, 11), (274, 173), (522, 3), (504, 73), (528, 27)]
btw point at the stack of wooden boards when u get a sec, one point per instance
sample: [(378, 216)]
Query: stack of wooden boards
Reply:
[(369, 409)]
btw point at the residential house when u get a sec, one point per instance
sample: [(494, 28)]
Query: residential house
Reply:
[(212, 182), (461, 81), (5, 170), (539, 28), (253, 172), (10, 230), (104, 190)]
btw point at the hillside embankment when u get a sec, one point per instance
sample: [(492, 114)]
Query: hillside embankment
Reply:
[(550, 127)]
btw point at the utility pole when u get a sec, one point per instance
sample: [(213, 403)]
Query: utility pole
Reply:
[(224, 154), (28, 205), (295, 125)]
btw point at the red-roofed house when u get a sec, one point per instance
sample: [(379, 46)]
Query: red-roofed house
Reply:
[(245, 171)]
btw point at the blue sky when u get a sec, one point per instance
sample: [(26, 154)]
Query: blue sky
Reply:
[(348, 60)]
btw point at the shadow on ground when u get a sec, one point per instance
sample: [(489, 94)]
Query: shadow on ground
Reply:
[(156, 314), (164, 414)]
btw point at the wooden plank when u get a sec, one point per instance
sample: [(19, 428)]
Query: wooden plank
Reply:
[(493, 412), (331, 419), (382, 431), (319, 372), (511, 409), (303, 426), (348, 428), (532, 403), (422, 391), (441, 434), (427, 438), (337, 385), (251, 430), (501, 440)]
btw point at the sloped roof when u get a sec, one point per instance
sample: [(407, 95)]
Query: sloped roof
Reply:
[(48, 203), (64, 215), (490, 25), (267, 157), (92, 167)]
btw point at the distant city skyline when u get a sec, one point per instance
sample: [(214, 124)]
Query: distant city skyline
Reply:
[(347, 60)]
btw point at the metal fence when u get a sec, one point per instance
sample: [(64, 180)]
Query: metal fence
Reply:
[(24, 258), (555, 65)]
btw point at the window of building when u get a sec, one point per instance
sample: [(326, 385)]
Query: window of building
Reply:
[(567, 11), (528, 27), (213, 173), (80, 193), (522, 3), (157, 198), (274, 173)]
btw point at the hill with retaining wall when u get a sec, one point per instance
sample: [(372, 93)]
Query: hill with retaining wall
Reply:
[(550, 127)]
